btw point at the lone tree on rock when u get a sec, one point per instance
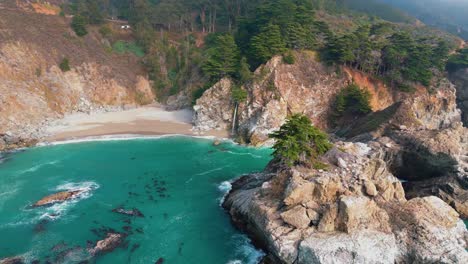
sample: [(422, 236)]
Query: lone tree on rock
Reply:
[(298, 141)]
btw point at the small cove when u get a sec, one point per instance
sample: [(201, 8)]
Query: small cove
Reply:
[(176, 182)]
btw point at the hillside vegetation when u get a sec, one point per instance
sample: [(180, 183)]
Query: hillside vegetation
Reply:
[(188, 45)]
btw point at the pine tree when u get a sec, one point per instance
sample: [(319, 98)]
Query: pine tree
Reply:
[(267, 44), (352, 100), (298, 141), (440, 55), (222, 57), (78, 24), (244, 74)]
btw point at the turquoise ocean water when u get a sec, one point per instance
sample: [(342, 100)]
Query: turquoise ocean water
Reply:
[(176, 182)]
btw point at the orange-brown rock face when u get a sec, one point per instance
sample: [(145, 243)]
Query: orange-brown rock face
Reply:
[(308, 87), (34, 89), (277, 90)]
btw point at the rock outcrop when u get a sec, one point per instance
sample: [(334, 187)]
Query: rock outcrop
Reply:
[(434, 162), (460, 79), (214, 109), (308, 87), (277, 90), (426, 143), (34, 90), (356, 214), (108, 244), (59, 197)]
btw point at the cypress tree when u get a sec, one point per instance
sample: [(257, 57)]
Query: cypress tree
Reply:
[(267, 44), (221, 58)]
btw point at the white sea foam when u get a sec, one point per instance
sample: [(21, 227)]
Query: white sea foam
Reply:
[(245, 249), (122, 137), (225, 187), (59, 209), (38, 166), (244, 154), (69, 186), (209, 171), (244, 245)]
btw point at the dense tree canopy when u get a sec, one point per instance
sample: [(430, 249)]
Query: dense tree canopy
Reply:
[(298, 141), (398, 56), (192, 43), (221, 57), (78, 25), (458, 60), (353, 100)]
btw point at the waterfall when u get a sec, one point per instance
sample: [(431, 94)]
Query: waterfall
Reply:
[(234, 119)]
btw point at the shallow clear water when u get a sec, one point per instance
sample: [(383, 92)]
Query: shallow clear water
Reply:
[(176, 182)]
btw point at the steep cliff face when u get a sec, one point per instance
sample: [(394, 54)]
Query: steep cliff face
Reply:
[(33, 89), (460, 79), (303, 215), (310, 88), (277, 90)]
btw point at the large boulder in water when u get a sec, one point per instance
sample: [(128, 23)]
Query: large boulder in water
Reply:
[(58, 198)]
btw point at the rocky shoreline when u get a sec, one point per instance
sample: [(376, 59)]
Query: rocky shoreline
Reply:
[(397, 179), (30, 135), (303, 215)]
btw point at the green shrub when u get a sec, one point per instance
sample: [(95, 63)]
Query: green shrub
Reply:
[(289, 58), (458, 60), (78, 25), (299, 142), (65, 65), (353, 100), (121, 47), (239, 95), (105, 31), (135, 49)]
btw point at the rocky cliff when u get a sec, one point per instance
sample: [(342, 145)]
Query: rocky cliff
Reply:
[(460, 79), (277, 90), (355, 211), (33, 89), (308, 87), (303, 215)]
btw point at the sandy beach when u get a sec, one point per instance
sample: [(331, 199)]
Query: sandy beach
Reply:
[(148, 120)]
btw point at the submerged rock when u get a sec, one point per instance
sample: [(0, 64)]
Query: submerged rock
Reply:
[(13, 260), (58, 198), (108, 244), (133, 212)]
